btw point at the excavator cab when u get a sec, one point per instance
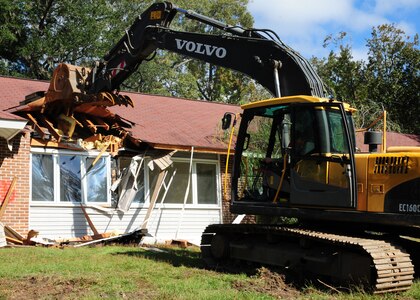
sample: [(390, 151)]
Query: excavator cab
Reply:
[(294, 151)]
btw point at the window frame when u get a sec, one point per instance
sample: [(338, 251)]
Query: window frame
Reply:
[(55, 153), (194, 185)]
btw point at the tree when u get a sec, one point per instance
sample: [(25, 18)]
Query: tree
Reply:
[(345, 77), (388, 80), (39, 34), (393, 75), (11, 31), (342, 73)]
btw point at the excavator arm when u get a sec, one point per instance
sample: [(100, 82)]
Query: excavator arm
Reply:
[(271, 63)]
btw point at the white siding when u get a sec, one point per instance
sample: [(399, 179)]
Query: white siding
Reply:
[(68, 221)]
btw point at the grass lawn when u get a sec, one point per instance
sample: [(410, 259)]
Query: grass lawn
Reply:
[(118, 272)]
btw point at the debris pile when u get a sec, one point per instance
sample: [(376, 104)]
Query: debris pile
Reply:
[(11, 238), (69, 120)]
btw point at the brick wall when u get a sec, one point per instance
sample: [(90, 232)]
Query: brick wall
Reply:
[(228, 217), (16, 163)]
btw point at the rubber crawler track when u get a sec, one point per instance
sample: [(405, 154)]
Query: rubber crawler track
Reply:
[(394, 269)]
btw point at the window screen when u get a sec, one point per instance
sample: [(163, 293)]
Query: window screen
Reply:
[(206, 184)]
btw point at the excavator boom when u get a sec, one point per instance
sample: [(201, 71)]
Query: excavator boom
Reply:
[(270, 62)]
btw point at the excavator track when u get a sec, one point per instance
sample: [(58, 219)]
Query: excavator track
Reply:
[(390, 267)]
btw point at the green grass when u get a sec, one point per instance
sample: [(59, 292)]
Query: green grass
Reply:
[(116, 272)]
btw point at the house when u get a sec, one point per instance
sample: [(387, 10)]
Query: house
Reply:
[(115, 185)]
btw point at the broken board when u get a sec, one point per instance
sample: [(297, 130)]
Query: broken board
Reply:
[(2, 236)]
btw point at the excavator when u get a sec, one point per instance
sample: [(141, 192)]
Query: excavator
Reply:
[(324, 209)]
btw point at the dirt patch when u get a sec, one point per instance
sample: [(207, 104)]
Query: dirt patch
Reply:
[(145, 291), (268, 282), (44, 287)]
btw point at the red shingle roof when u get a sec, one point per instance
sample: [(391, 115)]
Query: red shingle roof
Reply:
[(14, 90), (7, 116), (175, 121), (160, 121), (392, 139)]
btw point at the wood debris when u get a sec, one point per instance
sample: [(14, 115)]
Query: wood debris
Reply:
[(179, 243), (2, 236), (82, 120), (9, 237), (8, 196), (127, 238), (12, 236)]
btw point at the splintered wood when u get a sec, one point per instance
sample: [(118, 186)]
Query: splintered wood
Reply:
[(76, 119), (8, 196), (2, 236)]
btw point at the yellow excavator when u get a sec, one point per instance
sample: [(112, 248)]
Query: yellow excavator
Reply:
[(295, 156), (358, 213)]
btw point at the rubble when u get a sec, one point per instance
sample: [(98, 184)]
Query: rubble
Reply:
[(75, 121), (9, 237)]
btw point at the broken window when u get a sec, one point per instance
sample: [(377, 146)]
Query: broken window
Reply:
[(64, 177), (70, 178), (132, 171), (97, 180), (42, 178)]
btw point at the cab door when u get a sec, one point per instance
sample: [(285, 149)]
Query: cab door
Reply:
[(322, 169)]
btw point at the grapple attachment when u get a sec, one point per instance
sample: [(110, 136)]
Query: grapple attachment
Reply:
[(69, 85)]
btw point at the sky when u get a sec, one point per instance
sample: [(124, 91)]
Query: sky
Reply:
[(304, 24)]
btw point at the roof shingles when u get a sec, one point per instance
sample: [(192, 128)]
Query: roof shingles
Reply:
[(157, 119)]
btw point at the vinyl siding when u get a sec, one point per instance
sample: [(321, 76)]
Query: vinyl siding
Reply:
[(68, 221)]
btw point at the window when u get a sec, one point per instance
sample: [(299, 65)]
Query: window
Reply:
[(206, 183), (178, 187), (338, 134), (65, 177), (304, 132), (97, 180), (131, 170), (203, 183), (42, 178), (70, 178)]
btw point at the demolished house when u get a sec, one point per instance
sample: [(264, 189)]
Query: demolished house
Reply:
[(142, 162)]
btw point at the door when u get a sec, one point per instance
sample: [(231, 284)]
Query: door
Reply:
[(322, 171)]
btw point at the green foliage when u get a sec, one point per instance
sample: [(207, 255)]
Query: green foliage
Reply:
[(37, 35), (389, 80), (342, 73), (393, 73)]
